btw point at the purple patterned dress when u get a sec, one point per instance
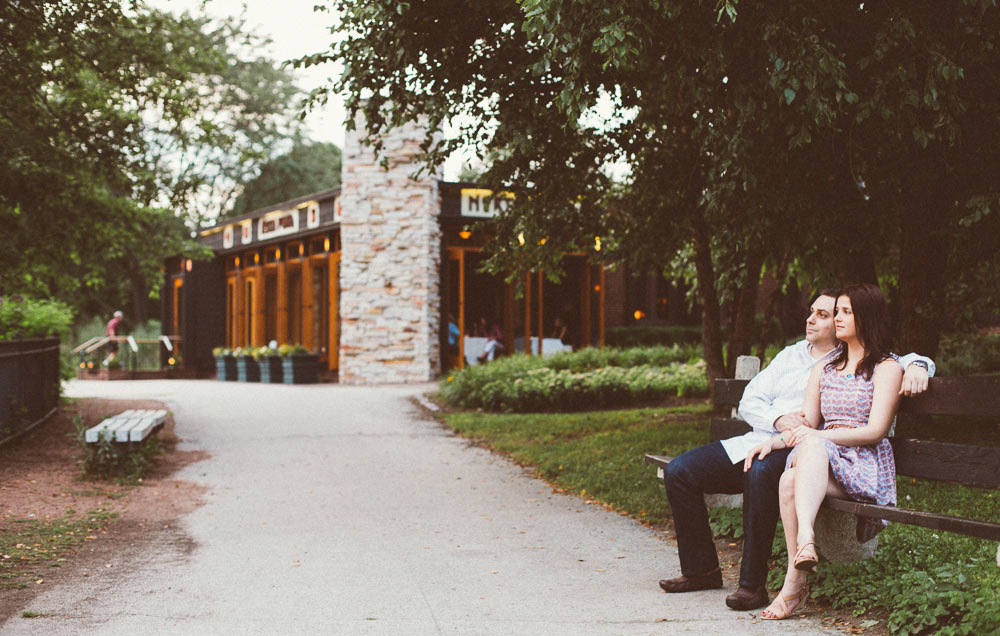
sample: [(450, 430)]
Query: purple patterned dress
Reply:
[(867, 473)]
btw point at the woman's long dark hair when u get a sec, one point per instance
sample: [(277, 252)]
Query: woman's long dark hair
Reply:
[(871, 321)]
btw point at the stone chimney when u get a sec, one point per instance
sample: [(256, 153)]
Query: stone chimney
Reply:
[(390, 261)]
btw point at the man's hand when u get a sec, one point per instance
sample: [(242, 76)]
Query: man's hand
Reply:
[(788, 421), (914, 381)]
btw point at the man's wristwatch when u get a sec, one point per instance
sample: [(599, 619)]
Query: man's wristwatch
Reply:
[(921, 364)]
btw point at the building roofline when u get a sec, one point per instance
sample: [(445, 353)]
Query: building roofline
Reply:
[(290, 203)]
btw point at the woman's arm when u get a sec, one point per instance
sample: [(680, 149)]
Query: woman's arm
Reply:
[(885, 399)]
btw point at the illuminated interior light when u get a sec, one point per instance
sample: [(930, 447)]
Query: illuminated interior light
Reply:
[(326, 245), (277, 254), (544, 239), (639, 314), (597, 288), (237, 261), (302, 249), (187, 265), (171, 361), (256, 258), (465, 234), (520, 238), (597, 243)]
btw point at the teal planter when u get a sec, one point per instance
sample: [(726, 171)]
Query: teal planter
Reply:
[(271, 369), (247, 369), (300, 368), (225, 368)]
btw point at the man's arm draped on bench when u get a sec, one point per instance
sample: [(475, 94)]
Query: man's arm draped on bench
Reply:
[(772, 403)]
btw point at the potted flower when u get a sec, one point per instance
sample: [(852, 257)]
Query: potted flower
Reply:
[(299, 366), (247, 369), (270, 364), (225, 364)]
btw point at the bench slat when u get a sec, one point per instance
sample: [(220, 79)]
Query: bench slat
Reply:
[(968, 396), (959, 525), (960, 463), (132, 425)]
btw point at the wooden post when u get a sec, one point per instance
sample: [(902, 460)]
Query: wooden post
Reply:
[(600, 324), (282, 297), (461, 308), (541, 325), (527, 314), (333, 351), (585, 295), (307, 303)]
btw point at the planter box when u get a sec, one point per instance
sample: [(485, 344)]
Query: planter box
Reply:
[(225, 368), (247, 369), (301, 368), (271, 369)]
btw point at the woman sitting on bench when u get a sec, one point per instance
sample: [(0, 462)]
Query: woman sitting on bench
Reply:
[(843, 452)]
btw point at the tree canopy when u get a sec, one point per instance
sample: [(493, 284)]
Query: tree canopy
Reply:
[(822, 142), (122, 127), (307, 167)]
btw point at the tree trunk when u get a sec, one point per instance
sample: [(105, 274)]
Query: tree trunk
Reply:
[(140, 294), (924, 250), (744, 310), (772, 307), (711, 332)]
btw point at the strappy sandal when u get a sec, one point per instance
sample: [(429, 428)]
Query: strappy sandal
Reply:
[(799, 598), (806, 558)]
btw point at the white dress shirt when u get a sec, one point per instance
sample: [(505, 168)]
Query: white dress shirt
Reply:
[(779, 389)]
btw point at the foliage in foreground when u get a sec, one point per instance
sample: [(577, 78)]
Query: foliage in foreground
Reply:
[(23, 317), (586, 379), (927, 582)]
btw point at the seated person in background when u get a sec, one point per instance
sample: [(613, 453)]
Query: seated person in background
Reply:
[(559, 330), (494, 342), (453, 335)]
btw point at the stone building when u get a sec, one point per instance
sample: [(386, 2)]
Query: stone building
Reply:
[(375, 274)]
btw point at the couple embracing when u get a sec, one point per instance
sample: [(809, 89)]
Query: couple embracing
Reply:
[(820, 413)]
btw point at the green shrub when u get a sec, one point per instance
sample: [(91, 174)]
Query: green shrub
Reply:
[(649, 335), (969, 354), (586, 379), (22, 317)]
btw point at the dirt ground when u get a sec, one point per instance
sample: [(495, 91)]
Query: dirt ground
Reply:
[(40, 480)]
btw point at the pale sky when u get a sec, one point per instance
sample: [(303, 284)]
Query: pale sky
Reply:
[(295, 30)]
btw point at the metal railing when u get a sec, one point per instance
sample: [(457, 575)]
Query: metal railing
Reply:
[(133, 354)]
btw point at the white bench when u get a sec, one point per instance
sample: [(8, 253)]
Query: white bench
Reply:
[(131, 426)]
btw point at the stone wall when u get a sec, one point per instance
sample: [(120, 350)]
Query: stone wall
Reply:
[(390, 262)]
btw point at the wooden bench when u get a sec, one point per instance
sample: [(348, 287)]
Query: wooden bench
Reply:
[(957, 399), (127, 427)]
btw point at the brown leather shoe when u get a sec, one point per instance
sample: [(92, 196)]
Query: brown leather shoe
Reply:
[(745, 599), (707, 581)]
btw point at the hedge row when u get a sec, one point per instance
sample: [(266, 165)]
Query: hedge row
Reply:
[(581, 380)]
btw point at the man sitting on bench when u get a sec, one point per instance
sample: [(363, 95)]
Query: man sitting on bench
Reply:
[(772, 403)]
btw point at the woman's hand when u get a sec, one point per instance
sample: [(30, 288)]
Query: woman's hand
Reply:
[(763, 449), (798, 434)]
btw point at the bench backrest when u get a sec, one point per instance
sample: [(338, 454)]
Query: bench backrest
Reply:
[(957, 398)]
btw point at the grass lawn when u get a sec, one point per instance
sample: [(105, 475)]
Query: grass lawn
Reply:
[(919, 582), (596, 454)]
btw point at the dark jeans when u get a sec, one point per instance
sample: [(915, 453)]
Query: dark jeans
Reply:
[(707, 469)]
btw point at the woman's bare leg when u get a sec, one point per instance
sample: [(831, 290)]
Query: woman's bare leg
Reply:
[(794, 579), (812, 480)]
